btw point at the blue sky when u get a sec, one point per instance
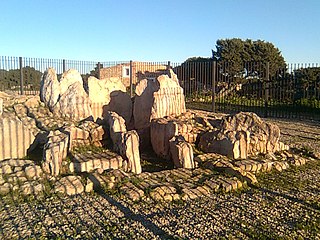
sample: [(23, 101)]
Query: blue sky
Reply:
[(155, 30)]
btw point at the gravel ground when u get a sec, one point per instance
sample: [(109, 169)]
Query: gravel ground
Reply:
[(282, 206)]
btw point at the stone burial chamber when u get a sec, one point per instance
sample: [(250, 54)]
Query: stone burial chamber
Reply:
[(96, 126)]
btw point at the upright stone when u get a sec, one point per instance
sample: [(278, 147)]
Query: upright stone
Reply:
[(15, 138), (54, 152), (117, 126), (156, 99), (181, 153), (161, 132), (50, 88), (65, 97), (109, 95), (129, 149), (74, 103)]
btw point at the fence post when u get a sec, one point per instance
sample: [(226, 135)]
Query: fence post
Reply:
[(99, 67), (266, 90), (131, 84), (169, 65), (21, 76), (214, 76), (63, 65)]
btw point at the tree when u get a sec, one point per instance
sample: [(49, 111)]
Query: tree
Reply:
[(238, 54), (308, 81), (96, 70), (10, 80)]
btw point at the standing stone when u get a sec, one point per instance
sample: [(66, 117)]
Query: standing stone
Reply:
[(117, 126), (156, 99), (181, 153), (54, 152), (109, 95), (161, 131), (129, 149), (15, 138), (65, 97), (74, 103), (69, 78), (50, 88), (126, 143)]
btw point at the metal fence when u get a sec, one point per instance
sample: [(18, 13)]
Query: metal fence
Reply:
[(290, 91)]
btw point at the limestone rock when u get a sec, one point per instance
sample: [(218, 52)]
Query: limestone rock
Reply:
[(100, 181), (5, 188), (32, 102), (125, 143), (69, 78), (89, 186), (164, 193), (15, 138), (241, 135), (29, 188), (69, 185), (88, 162), (65, 97), (157, 98), (54, 152), (161, 131), (33, 171), (181, 153), (6, 169), (86, 133), (109, 95), (73, 103), (50, 88), (129, 149), (117, 126)]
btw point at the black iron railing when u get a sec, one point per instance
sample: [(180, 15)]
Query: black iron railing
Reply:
[(287, 91)]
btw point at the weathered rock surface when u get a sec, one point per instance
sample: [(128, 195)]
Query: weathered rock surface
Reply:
[(181, 153), (156, 99), (86, 133), (109, 95), (16, 138), (241, 135), (125, 142), (50, 88), (33, 171), (34, 188), (161, 131), (65, 97), (117, 126), (69, 185), (54, 152), (74, 103), (129, 148), (88, 162)]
